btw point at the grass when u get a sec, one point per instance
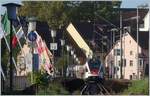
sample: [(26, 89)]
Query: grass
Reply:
[(138, 87)]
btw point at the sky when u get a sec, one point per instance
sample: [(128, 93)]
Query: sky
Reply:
[(125, 3)]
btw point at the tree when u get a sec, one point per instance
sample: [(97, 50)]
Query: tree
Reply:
[(58, 13)]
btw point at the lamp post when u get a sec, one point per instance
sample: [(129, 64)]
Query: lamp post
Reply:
[(137, 37), (149, 38), (11, 11), (32, 37), (114, 30), (62, 41), (121, 51), (53, 35), (68, 49)]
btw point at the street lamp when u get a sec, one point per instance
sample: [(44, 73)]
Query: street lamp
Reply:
[(114, 30), (72, 52), (149, 41), (74, 56), (31, 35), (121, 51), (11, 11), (62, 41), (68, 50), (53, 35)]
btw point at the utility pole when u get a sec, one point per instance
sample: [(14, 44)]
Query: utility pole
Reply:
[(121, 51), (137, 42)]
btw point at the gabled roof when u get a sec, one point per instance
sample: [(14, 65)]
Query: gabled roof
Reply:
[(143, 40)]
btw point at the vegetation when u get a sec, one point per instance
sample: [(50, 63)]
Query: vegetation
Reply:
[(138, 87), (54, 88), (47, 86), (60, 13)]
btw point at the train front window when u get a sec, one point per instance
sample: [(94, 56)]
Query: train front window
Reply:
[(94, 64)]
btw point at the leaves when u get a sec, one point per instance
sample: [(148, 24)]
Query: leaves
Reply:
[(58, 13)]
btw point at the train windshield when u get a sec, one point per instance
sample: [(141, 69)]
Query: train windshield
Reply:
[(94, 64)]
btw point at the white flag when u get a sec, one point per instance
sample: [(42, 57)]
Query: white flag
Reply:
[(20, 33)]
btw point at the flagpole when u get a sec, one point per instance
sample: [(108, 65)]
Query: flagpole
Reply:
[(0, 64)]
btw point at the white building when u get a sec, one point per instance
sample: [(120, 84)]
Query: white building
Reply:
[(146, 22), (131, 70)]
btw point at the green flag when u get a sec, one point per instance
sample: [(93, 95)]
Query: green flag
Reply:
[(5, 23)]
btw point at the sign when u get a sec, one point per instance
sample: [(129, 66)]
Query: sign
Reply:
[(53, 46), (32, 36)]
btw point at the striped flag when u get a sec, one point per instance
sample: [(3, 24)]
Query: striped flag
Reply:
[(45, 55)]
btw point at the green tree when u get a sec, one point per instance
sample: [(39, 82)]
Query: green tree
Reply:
[(58, 13)]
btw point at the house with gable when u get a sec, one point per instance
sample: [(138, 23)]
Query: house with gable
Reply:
[(131, 68)]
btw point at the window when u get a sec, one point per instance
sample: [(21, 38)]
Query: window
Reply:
[(131, 52), (124, 62), (130, 77), (131, 62), (140, 62), (119, 63), (130, 41), (117, 52)]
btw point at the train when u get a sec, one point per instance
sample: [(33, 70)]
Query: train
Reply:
[(92, 68)]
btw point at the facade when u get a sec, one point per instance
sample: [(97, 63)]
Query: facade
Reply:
[(130, 69), (146, 22)]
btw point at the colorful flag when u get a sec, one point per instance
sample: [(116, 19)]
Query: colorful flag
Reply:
[(5, 23), (18, 35), (44, 55)]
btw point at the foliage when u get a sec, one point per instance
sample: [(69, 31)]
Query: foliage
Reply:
[(54, 88), (5, 56), (61, 62), (138, 87), (39, 78), (58, 13)]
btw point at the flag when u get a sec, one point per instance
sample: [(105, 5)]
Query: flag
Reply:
[(18, 35), (5, 23), (44, 55)]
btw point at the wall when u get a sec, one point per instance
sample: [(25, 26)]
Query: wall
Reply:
[(128, 44)]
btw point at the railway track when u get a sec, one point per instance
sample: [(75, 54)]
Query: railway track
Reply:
[(94, 88), (109, 87)]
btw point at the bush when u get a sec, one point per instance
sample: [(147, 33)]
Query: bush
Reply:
[(54, 88), (138, 87)]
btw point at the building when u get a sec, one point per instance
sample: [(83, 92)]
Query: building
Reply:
[(146, 22), (130, 68)]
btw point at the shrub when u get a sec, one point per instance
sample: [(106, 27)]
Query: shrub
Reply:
[(138, 87)]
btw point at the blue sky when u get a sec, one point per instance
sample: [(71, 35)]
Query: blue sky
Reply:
[(125, 3)]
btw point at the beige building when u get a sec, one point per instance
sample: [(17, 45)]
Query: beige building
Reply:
[(130, 69)]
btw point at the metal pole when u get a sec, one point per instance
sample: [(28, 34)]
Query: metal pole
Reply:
[(114, 69), (11, 65), (102, 51), (0, 66), (149, 43), (32, 64), (137, 43), (121, 51), (63, 59), (53, 53)]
